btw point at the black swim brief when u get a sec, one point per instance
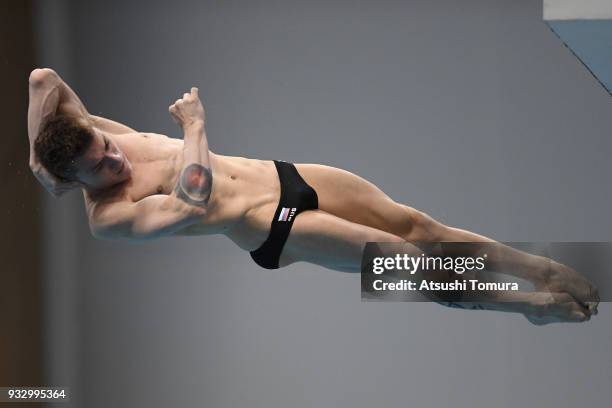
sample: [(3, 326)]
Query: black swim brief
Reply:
[(295, 196)]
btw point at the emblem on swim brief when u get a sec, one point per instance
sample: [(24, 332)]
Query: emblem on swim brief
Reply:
[(287, 214)]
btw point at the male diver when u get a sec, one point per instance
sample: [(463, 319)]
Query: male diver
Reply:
[(142, 185)]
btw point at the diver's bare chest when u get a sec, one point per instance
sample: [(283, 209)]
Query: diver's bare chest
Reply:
[(150, 179), (156, 160), (243, 190)]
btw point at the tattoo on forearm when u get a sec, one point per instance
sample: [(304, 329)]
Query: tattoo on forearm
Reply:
[(195, 184)]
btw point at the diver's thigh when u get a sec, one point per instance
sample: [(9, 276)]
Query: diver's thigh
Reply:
[(329, 241), (349, 196)]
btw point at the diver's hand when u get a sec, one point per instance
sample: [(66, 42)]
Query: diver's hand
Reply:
[(51, 183), (188, 110)]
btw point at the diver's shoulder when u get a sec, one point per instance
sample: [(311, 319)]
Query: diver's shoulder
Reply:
[(97, 200)]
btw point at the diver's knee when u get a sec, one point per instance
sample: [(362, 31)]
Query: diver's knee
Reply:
[(422, 227)]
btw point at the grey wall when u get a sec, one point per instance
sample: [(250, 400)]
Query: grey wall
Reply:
[(472, 111), (21, 243)]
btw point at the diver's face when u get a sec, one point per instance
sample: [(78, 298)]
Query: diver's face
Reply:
[(102, 165)]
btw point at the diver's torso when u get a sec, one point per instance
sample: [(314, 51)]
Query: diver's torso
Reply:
[(244, 194)]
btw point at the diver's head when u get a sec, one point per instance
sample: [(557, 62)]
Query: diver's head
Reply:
[(73, 150)]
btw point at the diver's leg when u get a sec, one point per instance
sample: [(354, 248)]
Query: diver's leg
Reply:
[(332, 242), (351, 197), (323, 239), (546, 274)]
